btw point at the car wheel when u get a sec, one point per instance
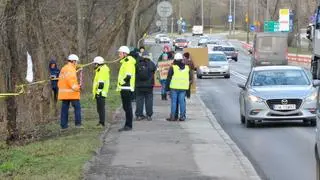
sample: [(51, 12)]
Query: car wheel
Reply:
[(250, 123), (243, 119), (227, 76), (236, 59), (313, 122), (317, 162), (199, 76)]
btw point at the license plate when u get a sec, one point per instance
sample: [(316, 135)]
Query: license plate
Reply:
[(284, 107)]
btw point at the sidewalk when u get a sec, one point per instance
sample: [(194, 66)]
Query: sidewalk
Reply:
[(195, 149)]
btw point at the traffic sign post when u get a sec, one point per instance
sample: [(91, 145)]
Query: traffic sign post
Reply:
[(252, 28), (229, 18), (271, 26), (164, 10)]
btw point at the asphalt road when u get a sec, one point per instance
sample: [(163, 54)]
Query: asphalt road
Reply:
[(278, 151)]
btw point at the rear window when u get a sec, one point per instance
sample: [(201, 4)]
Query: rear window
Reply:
[(181, 40), (271, 44), (228, 49), (217, 48), (217, 57)]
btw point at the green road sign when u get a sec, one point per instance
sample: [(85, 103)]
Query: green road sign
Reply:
[(271, 26)]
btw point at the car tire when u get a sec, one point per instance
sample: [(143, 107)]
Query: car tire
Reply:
[(199, 76), (317, 162), (227, 76), (243, 119), (236, 59), (313, 122), (250, 123)]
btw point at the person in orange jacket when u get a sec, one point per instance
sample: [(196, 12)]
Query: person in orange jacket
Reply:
[(69, 92)]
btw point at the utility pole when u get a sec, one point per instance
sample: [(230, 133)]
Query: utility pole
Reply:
[(234, 17), (254, 11), (247, 18), (267, 13), (202, 14), (230, 23), (171, 25), (179, 8), (298, 41)]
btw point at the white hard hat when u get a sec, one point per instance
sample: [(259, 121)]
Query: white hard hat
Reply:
[(124, 49), (98, 60), (73, 57), (178, 56)]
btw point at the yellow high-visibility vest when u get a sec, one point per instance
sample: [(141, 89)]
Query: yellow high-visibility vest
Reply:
[(180, 78)]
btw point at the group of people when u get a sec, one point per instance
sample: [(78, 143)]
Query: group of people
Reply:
[(136, 79)]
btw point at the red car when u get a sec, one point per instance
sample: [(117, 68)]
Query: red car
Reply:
[(180, 43)]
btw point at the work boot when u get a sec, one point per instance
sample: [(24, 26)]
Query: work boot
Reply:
[(125, 129), (162, 96), (165, 97), (149, 118), (171, 118)]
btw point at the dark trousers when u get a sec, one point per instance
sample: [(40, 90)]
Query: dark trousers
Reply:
[(101, 103), (126, 97), (65, 112), (55, 94), (144, 97)]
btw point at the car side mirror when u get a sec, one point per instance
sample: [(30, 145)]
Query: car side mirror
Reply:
[(250, 51), (242, 86), (316, 83)]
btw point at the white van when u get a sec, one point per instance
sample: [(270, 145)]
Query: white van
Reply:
[(197, 30)]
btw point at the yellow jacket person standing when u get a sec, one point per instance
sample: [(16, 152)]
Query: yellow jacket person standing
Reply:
[(100, 88), (126, 83)]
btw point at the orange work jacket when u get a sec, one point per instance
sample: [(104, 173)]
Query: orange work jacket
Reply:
[(69, 88)]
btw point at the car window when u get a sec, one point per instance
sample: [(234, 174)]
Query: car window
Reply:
[(217, 57), (270, 44), (279, 77), (228, 49), (217, 48), (181, 40)]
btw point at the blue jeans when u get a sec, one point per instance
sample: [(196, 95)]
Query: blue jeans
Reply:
[(65, 113), (178, 97), (163, 83)]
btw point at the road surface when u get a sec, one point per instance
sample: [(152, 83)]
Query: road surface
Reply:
[(278, 151)]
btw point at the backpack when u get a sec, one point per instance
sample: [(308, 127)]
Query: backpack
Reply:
[(143, 71)]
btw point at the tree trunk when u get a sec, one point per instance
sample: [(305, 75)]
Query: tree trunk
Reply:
[(80, 29), (131, 39), (10, 15)]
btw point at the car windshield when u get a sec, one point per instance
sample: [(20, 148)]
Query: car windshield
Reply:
[(228, 49), (217, 57), (181, 40), (203, 40), (279, 78)]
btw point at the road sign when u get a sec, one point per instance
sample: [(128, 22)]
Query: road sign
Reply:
[(271, 26), (229, 18), (158, 23), (284, 20), (252, 28), (164, 9)]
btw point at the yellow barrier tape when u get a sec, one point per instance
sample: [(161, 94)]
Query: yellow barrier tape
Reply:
[(21, 86)]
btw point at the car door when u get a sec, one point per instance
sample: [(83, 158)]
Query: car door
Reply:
[(243, 96)]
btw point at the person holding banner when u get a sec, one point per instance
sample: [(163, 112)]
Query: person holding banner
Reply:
[(163, 68)]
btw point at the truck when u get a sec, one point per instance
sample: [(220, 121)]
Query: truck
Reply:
[(197, 30), (269, 48)]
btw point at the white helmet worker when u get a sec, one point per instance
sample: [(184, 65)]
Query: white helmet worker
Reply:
[(73, 57), (124, 49), (98, 60), (178, 56)]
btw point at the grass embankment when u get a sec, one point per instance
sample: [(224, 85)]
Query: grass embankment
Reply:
[(304, 51), (59, 157)]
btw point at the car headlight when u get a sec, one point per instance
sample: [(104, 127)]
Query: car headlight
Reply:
[(203, 67), (253, 98), (312, 97), (225, 67)]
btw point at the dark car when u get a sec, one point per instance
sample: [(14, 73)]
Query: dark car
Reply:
[(180, 43), (230, 52)]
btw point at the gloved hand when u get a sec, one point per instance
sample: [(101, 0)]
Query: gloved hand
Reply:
[(127, 80)]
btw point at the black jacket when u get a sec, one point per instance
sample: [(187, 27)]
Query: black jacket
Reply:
[(147, 84), (170, 73)]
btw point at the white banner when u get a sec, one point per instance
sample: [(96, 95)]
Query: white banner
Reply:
[(29, 76)]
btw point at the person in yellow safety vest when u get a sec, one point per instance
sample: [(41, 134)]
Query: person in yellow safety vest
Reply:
[(178, 81), (100, 88), (69, 92), (126, 84)]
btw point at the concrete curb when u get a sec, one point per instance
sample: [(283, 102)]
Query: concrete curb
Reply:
[(247, 167), (97, 152)]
